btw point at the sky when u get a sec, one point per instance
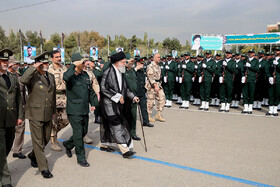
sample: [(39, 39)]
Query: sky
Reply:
[(159, 18)]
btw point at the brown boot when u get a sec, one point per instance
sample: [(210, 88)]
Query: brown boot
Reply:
[(159, 117), (151, 119), (54, 144)]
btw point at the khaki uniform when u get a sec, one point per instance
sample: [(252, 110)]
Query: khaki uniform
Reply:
[(154, 76), (60, 119), (93, 81), (39, 109)]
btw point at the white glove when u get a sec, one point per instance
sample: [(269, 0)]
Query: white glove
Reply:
[(204, 65), (275, 62), (161, 67), (165, 79), (248, 64), (221, 80), (180, 80), (184, 66), (166, 67), (97, 68), (195, 67), (200, 79), (193, 79), (236, 65), (271, 80), (224, 63), (177, 79), (260, 66), (243, 80)]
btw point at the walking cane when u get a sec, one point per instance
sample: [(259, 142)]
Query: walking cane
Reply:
[(141, 120)]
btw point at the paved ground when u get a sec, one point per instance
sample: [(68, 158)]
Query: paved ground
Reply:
[(192, 148)]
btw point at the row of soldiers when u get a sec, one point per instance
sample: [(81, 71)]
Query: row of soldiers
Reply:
[(223, 81)]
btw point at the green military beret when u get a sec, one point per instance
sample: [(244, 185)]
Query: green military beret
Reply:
[(261, 52), (218, 54), (252, 51), (169, 55), (187, 54), (267, 53), (237, 54), (99, 58), (208, 52), (76, 57), (163, 57), (44, 57), (200, 55), (277, 49), (229, 51), (5, 54), (182, 55), (176, 57), (193, 57)]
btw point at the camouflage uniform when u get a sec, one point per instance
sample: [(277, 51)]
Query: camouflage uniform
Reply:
[(60, 119), (154, 76)]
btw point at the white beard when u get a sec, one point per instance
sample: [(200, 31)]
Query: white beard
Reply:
[(122, 69)]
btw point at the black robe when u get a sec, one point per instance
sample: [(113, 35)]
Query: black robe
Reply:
[(114, 126)]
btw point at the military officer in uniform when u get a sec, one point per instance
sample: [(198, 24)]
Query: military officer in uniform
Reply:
[(249, 72), (60, 120), (215, 95), (261, 83), (79, 94), (237, 85), (186, 70), (226, 74), (40, 109), (273, 74), (169, 74), (11, 113), (20, 129), (131, 114), (206, 71), (154, 89), (196, 85)]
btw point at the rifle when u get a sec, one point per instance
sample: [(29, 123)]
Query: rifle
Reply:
[(141, 120)]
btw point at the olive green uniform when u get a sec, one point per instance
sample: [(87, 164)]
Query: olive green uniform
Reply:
[(79, 94), (10, 111), (39, 109), (186, 70)]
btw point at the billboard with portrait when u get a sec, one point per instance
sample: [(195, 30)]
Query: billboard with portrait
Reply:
[(94, 52), (136, 52), (28, 52), (155, 51), (62, 52), (207, 42), (174, 53)]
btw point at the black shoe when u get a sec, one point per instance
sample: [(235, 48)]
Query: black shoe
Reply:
[(34, 163), (128, 154), (249, 112), (148, 125), (186, 107), (220, 110), (135, 137), (206, 109), (200, 108), (97, 120), (67, 151), (83, 163), (19, 155), (259, 108), (226, 110), (46, 174), (107, 149), (7, 185), (275, 114), (244, 112)]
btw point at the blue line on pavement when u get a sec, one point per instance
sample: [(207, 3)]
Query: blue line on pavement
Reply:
[(244, 181)]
